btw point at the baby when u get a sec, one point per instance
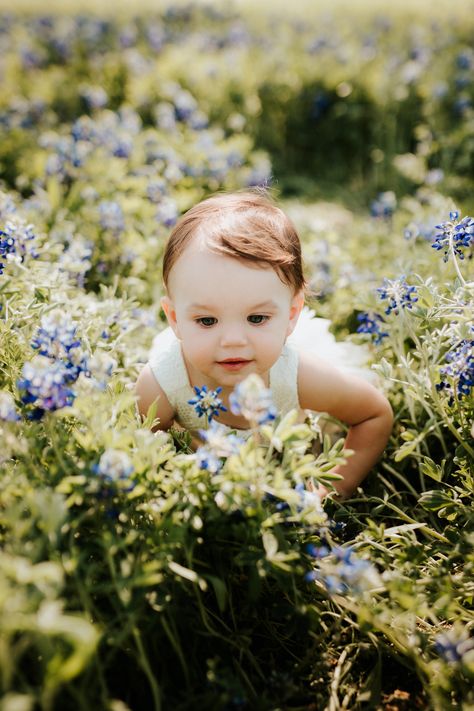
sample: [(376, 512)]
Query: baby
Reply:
[(234, 283)]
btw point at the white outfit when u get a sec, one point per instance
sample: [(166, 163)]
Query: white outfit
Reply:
[(311, 334)]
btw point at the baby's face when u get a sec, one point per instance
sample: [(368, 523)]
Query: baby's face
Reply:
[(232, 317)]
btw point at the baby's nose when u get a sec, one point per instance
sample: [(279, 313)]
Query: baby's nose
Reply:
[(233, 335)]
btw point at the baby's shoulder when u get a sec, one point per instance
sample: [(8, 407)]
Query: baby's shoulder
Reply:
[(321, 385)]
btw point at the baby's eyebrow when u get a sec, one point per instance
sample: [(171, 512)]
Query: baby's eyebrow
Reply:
[(200, 307), (264, 305), (205, 307)]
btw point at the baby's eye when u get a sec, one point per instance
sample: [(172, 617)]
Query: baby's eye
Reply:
[(206, 321), (257, 318)]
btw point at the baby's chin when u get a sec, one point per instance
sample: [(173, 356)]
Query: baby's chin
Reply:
[(231, 379)]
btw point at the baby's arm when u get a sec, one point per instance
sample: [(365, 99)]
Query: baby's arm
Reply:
[(149, 391), (323, 388)]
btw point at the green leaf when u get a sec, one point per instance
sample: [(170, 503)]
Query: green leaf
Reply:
[(270, 544), (183, 572), (220, 591), (429, 468)]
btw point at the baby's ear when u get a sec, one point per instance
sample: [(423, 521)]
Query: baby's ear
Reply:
[(296, 305), (168, 308)]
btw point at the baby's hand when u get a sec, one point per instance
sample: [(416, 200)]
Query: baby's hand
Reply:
[(319, 489), (322, 491)]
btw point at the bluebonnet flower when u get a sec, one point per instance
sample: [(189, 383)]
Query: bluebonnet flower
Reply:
[(111, 217), (167, 212), (219, 444), (371, 323), (8, 411), (453, 644), (455, 234), (398, 293), (253, 400), (46, 385), (207, 403), (100, 368), (420, 230), (317, 552), (14, 242), (464, 60), (460, 369), (307, 499), (156, 189), (220, 441), (207, 459), (184, 105), (341, 571), (76, 260), (56, 335), (95, 96), (114, 465), (384, 205)]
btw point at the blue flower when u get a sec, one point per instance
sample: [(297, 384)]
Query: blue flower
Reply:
[(384, 205), (45, 385), (156, 189), (317, 552), (219, 444), (460, 369), (453, 644), (455, 235), (114, 466), (14, 239), (253, 400), (220, 441), (371, 323), (111, 217), (398, 293), (56, 339), (56, 335), (207, 403), (341, 571), (464, 60), (207, 459), (167, 212)]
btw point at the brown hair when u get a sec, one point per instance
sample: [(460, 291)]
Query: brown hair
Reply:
[(244, 225)]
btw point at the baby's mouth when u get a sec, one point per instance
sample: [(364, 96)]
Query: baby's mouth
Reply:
[(233, 363)]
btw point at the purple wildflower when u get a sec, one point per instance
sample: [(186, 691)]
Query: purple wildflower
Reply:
[(398, 293), (370, 322), (253, 400), (46, 385), (456, 235), (460, 369), (453, 644), (207, 403), (111, 217)]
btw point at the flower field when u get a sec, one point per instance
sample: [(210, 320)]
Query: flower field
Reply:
[(136, 574)]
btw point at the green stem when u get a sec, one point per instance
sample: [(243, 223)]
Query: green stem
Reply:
[(455, 261), (424, 528), (145, 665)]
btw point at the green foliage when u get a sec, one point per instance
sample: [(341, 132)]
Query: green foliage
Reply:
[(129, 576)]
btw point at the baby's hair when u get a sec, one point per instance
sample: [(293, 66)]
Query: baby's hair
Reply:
[(245, 225)]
